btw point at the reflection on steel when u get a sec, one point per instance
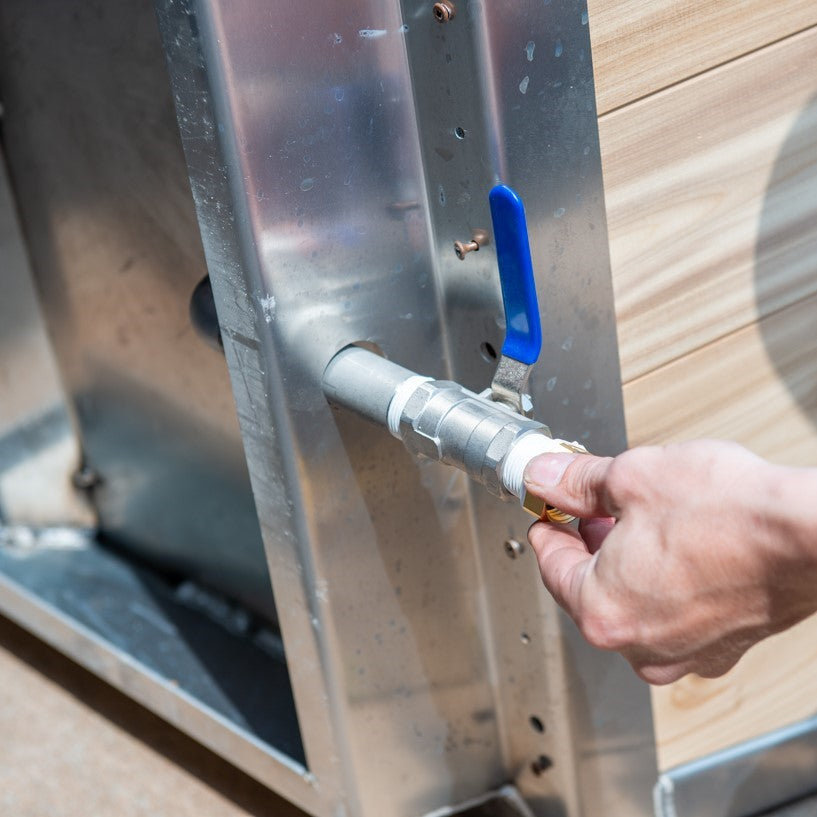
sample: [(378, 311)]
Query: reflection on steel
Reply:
[(403, 614), (105, 203), (39, 449), (750, 778)]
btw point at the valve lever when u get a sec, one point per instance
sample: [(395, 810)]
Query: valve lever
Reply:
[(523, 333)]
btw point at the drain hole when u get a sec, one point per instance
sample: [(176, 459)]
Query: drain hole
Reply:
[(536, 724), (488, 352)]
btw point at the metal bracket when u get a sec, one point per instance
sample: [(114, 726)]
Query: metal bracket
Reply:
[(510, 384)]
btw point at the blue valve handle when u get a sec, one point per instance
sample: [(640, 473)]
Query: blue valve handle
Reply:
[(523, 335)]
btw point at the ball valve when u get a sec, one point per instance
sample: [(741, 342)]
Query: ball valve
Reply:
[(491, 436)]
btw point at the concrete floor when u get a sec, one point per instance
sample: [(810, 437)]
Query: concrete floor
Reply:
[(72, 746)]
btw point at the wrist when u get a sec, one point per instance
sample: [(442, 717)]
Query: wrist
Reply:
[(792, 511), (790, 522)]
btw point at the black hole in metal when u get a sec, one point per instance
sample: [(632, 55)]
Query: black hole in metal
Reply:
[(459, 133), (203, 314), (488, 352), (536, 724)]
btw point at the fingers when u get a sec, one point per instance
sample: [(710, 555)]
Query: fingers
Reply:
[(661, 674), (594, 531), (574, 483), (563, 562), (656, 673)]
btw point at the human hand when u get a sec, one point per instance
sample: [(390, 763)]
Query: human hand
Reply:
[(687, 554)]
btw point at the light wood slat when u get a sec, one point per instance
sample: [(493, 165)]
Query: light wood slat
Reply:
[(711, 185), (759, 387), (773, 685), (640, 47)]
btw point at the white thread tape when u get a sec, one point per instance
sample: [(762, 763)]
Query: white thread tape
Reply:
[(402, 394), (523, 450)]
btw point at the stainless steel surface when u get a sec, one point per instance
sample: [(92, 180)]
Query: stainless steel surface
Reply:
[(517, 79), (98, 172), (802, 808), (748, 779), (39, 447), (330, 181), (204, 666), (505, 802)]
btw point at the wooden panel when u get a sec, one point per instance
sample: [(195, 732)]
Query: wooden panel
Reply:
[(759, 387), (711, 191), (640, 47), (774, 685)]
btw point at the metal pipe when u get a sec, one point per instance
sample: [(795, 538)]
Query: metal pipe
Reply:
[(440, 420)]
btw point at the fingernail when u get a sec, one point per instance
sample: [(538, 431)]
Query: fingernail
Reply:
[(547, 470)]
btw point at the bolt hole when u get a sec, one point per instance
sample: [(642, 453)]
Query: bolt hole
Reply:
[(524, 638), (439, 14), (541, 765), (488, 352), (536, 724), (459, 132), (513, 548)]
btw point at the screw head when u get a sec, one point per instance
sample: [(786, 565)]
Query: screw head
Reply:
[(85, 478), (444, 11), (514, 548), (541, 765)]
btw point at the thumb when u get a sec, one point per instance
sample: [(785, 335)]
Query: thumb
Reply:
[(575, 483)]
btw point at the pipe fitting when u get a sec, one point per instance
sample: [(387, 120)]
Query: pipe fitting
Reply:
[(443, 421)]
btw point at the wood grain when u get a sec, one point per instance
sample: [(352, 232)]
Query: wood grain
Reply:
[(641, 47), (758, 387), (774, 685), (711, 190)]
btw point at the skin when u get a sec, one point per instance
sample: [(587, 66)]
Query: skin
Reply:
[(686, 556)]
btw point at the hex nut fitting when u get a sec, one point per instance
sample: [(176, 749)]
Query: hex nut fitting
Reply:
[(536, 506)]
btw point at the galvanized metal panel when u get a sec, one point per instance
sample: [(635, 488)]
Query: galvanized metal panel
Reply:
[(746, 779), (104, 199), (39, 446), (420, 654)]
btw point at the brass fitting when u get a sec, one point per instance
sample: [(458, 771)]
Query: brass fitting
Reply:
[(444, 11), (537, 507)]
